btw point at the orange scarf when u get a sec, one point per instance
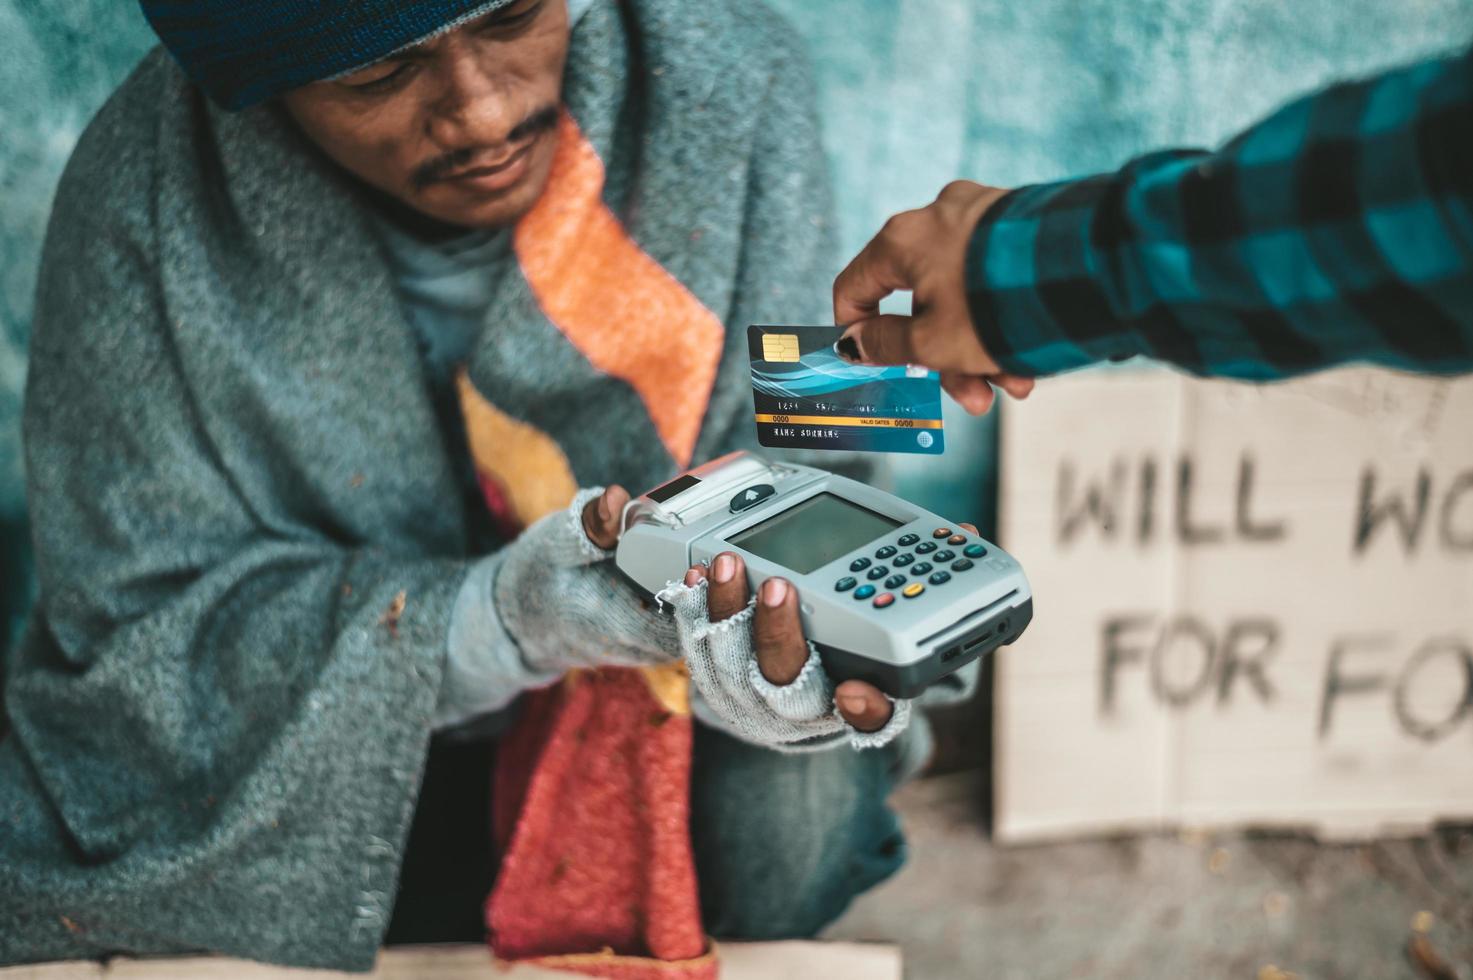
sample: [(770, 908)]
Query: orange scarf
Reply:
[(592, 794)]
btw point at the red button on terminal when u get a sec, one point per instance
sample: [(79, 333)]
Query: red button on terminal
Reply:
[(883, 599)]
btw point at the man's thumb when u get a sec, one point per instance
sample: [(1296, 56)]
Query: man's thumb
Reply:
[(602, 516), (884, 339), (863, 706)]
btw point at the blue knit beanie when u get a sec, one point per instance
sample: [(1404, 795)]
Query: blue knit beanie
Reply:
[(242, 52)]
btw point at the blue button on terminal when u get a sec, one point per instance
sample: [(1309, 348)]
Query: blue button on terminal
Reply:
[(974, 551), (864, 592)]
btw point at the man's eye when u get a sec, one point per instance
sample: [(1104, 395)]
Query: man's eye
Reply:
[(386, 77), (511, 21)]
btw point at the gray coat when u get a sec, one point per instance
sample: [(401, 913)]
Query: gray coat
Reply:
[(218, 727)]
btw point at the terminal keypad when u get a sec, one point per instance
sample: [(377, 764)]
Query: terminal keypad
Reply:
[(910, 550)]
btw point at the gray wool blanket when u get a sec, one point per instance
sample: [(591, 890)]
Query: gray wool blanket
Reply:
[(221, 711)]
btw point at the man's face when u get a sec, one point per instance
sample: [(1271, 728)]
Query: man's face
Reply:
[(461, 128)]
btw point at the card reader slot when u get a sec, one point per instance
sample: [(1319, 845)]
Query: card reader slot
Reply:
[(974, 636), (968, 644), (969, 620)]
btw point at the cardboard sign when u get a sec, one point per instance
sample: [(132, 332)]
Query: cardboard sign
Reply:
[(1254, 604)]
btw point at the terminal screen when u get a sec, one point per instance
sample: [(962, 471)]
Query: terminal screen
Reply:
[(813, 533)]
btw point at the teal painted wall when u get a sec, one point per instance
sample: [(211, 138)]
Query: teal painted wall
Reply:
[(914, 93)]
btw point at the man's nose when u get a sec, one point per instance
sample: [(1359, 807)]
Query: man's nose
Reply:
[(475, 104)]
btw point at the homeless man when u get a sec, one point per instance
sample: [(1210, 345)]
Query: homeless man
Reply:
[(336, 300)]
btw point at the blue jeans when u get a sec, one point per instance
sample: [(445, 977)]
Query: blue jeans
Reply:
[(783, 843)]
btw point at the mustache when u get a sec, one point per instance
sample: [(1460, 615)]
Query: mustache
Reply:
[(541, 121)]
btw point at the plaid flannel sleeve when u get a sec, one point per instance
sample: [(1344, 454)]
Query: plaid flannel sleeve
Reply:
[(1339, 229)]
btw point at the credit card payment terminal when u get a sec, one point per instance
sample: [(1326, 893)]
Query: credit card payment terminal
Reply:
[(890, 593)]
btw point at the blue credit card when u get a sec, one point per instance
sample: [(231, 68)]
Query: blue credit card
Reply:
[(808, 397)]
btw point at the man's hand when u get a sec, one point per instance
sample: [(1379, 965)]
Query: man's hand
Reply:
[(777, 632), (551, 590), (777, 635), (924, 251)]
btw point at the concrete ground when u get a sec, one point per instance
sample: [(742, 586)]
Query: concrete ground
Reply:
[(1229, 905)]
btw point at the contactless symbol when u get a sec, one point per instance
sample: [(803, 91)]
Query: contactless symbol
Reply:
[(782, 347), (924, 439)]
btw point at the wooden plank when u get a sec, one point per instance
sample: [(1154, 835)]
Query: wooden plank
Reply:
[(740, 961)]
